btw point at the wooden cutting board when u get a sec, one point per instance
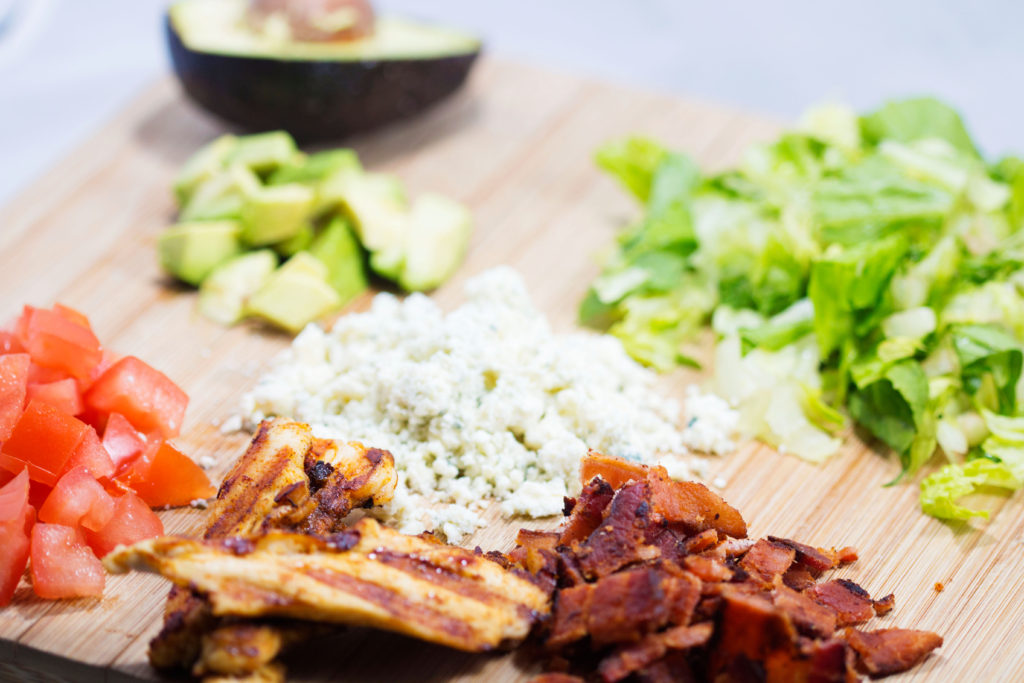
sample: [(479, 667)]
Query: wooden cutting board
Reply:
[(517, 145)]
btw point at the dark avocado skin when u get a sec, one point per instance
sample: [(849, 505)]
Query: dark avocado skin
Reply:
[(314, 100)]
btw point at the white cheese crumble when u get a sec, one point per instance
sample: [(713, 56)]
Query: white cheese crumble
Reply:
[(710, 423), (484, 403)]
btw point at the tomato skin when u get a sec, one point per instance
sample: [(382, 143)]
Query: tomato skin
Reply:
[(132, 522), (9, 343), (56, 342), (44, 439), (62, 394), (91, 455), (144, 395), (16, 520), (162, 475), (63, 566), (78, 500), (121, 440), (13, 389)]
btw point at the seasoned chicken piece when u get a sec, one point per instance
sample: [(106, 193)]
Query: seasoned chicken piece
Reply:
[(368, 575), (287, 479)]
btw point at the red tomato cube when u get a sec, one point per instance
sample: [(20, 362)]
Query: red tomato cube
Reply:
[(132, 522), (78, 500), (54, 341), (121, 440), (37, 374), (150, 401), (72, 315), (63, 566), (16, 519), (43, 439), (91, 455), (9, 343), (62, 394), (163, 475), (13, 389)]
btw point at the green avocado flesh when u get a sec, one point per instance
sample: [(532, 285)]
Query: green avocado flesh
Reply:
[(247, 201), (219, 27)]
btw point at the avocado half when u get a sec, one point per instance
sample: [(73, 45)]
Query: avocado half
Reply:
[(316, 91)]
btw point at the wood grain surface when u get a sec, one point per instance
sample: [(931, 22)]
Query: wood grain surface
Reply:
[(517, 145)]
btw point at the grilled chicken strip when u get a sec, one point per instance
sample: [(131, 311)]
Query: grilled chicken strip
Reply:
[(288, 480), (368, 575)]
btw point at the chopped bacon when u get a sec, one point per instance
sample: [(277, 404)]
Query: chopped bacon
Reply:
[(884, 605), (656, 585), (814, 559), (851, 603), (619, 540), (556, 678), (630, 659), (891, 650), (808, 616), (587, 511), (707, 568), (767, 560)]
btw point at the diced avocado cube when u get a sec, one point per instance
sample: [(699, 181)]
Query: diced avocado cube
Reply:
[(275, 213), (336, 247), (295, 294), (190, 251), (316, 167), (438, 236), (263, 153), (225, 291), (375, 203), (208, 161), (300, 241), (221, 196)]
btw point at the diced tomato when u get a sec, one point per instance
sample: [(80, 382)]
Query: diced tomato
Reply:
[(43, 439), (121, 440), (37, 493), (9, 343), (91, 455), (13, 388), (162, 475), (78, 499), (72, 315), (37, 374), (150, 401), (63, 566), (62, 394), (132, 522), (107, 360), (16, 519), (53, 341), (6, 476)]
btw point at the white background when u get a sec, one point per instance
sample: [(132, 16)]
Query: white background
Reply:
[(66, 65)]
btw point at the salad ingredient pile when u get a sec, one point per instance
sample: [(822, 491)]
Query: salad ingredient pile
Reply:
[(83, 453), (247, 203), (483, 403), (870, 266)]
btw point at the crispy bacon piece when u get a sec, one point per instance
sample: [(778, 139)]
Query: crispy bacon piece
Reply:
[(619, 541), (556, 678), (883, 606), (587, 511), (692, 505), (808, 616), (661, 590), (368, 576), (851, 603), (630, 659), (891, 650), (768, 560)]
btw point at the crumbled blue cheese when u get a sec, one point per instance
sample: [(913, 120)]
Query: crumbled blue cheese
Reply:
[(710, 423), (484, 403)]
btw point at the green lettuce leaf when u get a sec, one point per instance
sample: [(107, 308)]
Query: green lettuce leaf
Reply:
[(895, 408), (940, 491), (917, 119), (633, 162), (990, 360)]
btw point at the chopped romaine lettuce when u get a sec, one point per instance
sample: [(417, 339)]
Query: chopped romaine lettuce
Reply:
[(869, 264)]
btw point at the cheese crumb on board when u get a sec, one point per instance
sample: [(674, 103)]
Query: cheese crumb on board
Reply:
[(484, 403)]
